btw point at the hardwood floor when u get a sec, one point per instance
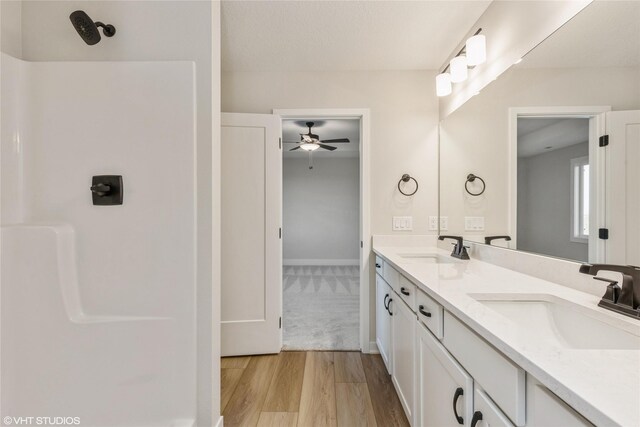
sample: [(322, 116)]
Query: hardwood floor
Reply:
[(309, 389)]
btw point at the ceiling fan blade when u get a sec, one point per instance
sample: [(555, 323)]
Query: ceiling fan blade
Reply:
[(291, 142), (327, 147), (295, 148), (336, 141)]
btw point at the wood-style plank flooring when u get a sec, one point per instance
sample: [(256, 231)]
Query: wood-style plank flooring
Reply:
[(309, 389)]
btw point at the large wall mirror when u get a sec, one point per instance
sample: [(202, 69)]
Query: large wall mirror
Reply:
[(528, 158)]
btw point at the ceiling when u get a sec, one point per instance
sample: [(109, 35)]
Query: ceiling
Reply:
[(325, 129), (343, 35), (604, 34), (540, 135)]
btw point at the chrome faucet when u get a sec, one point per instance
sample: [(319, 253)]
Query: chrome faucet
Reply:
[(623, 299), (459, 250)]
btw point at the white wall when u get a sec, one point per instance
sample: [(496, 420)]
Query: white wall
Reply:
[(404, 117), (321, 210), (475, 137), (404, 131), (544, 203), (159, 31)]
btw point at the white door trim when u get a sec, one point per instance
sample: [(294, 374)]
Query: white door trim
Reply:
[(597, 122), (365, 202)]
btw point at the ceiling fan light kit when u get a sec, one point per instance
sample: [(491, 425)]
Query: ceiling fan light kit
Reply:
[(310, 142), (309, 146), (472, 54)]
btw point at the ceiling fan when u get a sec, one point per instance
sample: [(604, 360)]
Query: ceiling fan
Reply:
[(311, 142)]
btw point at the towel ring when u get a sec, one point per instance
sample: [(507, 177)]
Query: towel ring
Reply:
[(471, 178), (406, 178)]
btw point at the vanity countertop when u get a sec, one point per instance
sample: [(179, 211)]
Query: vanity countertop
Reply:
[(602, 384)]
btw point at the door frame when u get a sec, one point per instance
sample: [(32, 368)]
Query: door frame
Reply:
[(363, 114), (597, 157)]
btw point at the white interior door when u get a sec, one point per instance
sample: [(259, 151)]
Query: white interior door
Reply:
[(623, 187), (251, 243)]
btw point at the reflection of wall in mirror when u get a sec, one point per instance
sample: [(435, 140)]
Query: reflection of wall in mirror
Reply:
[(544, 203), (475, 137)]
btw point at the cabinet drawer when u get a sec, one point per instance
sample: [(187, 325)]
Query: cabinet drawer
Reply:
[(430, 313), (499, 377), (486, 413), (392, 276), (407, 291), (379, 266)]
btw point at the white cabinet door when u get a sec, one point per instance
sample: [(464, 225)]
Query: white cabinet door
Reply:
[(486, 413), (545, 409), (383, 321), (252, 250), (445, 389), (403, 343)]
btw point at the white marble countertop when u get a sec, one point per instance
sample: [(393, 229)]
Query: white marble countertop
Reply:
[(602, 384)]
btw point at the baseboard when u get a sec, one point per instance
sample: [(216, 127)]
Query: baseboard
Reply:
[(220, 422), (338, 262), (373, 348)]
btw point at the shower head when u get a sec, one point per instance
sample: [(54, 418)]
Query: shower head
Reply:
[(88, 29)]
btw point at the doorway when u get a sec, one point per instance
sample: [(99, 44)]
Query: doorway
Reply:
[(325, 296), (557, 181)]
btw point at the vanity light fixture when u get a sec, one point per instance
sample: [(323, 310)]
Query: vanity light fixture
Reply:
[(458, 67), (472, 54), (443, 84), (476, 48)]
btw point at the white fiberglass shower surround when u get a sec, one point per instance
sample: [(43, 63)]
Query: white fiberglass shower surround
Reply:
[(98, 306)]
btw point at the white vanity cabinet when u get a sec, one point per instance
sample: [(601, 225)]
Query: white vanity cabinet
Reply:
[(444, 388), (445, 374), (403, 343), (383, 320)]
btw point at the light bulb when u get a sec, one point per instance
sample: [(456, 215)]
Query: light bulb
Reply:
[(309, 146), (443, 84), (458, 67), (476, 50)]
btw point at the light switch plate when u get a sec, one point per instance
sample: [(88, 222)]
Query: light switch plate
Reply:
[(433, 223), (474, 223), (402, 223), (444, 223)]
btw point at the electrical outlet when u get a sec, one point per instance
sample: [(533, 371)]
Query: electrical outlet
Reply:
[(444, 223), (402, 223), (433, 223), (474, 223)]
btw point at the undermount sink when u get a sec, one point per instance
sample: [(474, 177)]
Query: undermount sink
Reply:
[(426, 258), (554, 321)]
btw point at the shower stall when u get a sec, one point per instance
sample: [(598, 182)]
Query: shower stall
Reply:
[(98, 307)]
